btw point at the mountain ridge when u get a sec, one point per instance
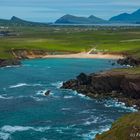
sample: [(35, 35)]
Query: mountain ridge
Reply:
[(15, 21), (71, 19), (134, 17)]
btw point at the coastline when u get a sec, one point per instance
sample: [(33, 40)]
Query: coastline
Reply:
[(19, 55), (87, 55), (115, 84)]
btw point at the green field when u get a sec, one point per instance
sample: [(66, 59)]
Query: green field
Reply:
[(72, 39)]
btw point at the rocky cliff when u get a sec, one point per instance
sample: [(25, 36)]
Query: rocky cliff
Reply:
[(129, 61), (116, 84)]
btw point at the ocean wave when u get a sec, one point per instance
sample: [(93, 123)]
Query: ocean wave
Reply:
[(12, 129), (92, 134), (68, 97), (81, 95), (7, 130), (91, 120), (57, 84), (65, 109), (115, 103), (23, 84), (18, 85), (88, 111), (4, 136), (6, 98)]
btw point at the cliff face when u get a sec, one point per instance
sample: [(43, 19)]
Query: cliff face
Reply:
[(115, 84), (28, 54), (21, 54)]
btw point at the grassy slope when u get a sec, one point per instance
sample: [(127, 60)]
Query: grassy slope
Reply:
[(129, 71), (72, 39), (123, 129)]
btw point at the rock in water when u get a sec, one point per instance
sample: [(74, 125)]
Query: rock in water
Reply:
[(47, 92)]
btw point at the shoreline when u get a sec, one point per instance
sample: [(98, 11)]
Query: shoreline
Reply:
[(19, 56), (87, 55), (119, 85)]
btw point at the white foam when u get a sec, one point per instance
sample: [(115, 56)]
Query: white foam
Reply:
[(18, 85), (68, 97), (115, 103), (104, 129), (57, 84), (81, 95), (91, 135), (38, 99), (23, 84), (42, 92), (6, 98), (65, 109), (90, 120), (4, 136), (13, 129), (87, 123)]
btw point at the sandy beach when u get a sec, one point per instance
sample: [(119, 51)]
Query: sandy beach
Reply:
[(86, 55)]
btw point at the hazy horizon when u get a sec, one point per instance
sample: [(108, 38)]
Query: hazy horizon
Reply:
[(50, 10)]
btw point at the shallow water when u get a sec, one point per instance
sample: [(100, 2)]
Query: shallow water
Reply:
[(25, 113)]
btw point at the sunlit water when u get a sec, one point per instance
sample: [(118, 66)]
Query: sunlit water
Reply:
[(26, 114)]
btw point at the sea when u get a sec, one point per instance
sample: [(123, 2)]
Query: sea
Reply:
[(27, 114)]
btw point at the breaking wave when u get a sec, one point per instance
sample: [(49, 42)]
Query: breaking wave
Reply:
[(23, 84), (115, 103), (57, 84)]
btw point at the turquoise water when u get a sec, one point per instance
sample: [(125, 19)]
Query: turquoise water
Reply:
[(26, 114)]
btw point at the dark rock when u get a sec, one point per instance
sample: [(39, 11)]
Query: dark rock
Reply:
[(130, 86), (83, 79), (129, 61), (113, 64), (47, 93), (9, 62)]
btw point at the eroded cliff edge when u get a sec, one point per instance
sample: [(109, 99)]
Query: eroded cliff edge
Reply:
[(122, 84)]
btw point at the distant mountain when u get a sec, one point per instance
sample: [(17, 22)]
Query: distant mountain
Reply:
[(127, 18), (15, 21), (70, 19)]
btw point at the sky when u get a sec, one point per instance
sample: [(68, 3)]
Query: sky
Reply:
[(50, 10)]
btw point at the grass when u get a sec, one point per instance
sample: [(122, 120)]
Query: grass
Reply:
[(129, 71), (72, 39), (126, 128)]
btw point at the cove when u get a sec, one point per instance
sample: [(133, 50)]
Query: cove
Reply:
[(25, 113)]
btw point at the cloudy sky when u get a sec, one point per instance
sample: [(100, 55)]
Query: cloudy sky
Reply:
[(50, 10)]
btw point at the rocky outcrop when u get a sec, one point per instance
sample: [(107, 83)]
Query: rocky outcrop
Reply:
[(109, 84), (28, 54), (129, 61), (9, 62)]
